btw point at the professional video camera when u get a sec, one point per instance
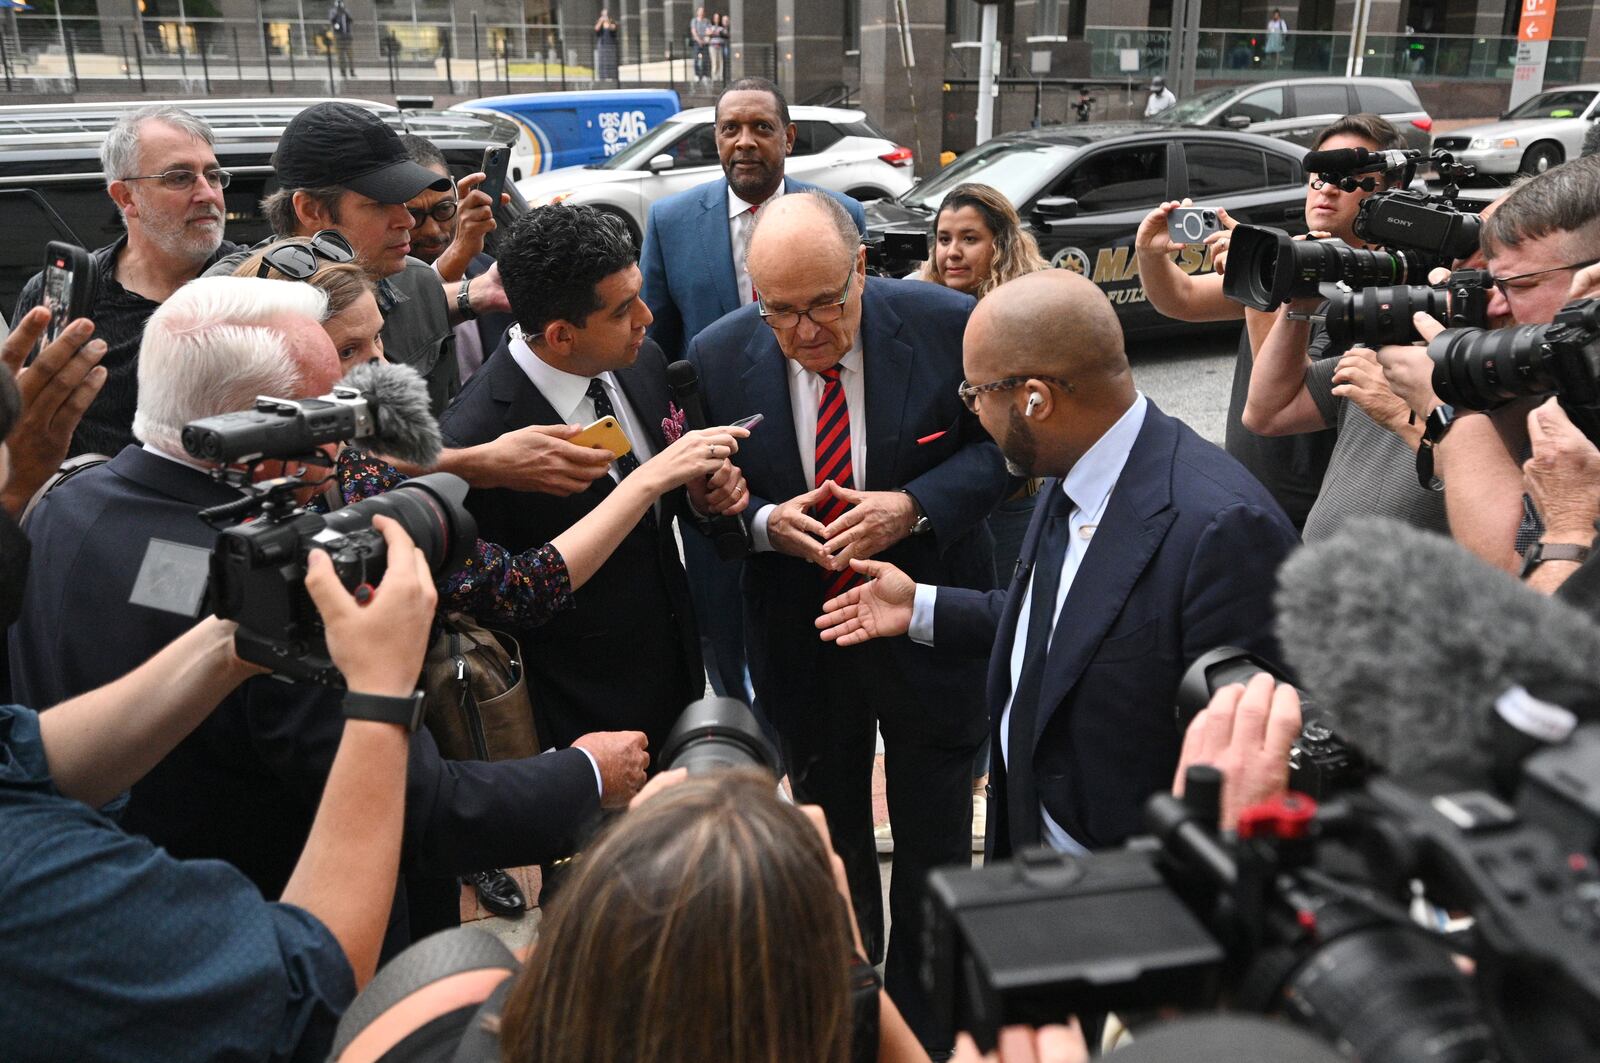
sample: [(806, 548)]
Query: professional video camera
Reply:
[(895, 252), (258, 565), (1304, 912), (1419, 232), (1478, 370)]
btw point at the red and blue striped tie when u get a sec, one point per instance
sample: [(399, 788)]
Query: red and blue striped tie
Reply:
[(833, 463)]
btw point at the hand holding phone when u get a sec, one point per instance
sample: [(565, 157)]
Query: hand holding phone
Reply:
[(1191, 225), (604, 434), (68, 286), (495, 161)]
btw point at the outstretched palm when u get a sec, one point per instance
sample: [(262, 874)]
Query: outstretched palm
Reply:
[(877, 609)]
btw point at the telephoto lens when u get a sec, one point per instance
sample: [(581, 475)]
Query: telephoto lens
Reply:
[(716, 734), (1267, 267), (1374, 317), (1480, 369)]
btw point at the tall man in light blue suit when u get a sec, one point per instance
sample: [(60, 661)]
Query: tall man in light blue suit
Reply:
[(694, 273)]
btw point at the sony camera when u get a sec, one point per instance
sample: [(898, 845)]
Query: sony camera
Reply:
[(1401, 217), (1374, 317), (1478, 370), (1267, 267), (1305, 913)]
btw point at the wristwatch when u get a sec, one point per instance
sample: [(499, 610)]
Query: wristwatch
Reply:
[(1539, 553), (1439, 422), (920, 522), (463, 301), (407, 711)]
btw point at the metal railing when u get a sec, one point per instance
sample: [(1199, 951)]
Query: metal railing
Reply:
[(51, 54), (1236, 54)]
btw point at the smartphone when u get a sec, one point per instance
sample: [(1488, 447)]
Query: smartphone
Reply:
[(68, 286), (1191, 225), (605, 434), (748, 422), (494, 165)]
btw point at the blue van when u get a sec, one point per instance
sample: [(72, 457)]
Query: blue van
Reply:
[(577, 128)]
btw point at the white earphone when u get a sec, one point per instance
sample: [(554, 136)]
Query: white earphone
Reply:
[(1033, 404)]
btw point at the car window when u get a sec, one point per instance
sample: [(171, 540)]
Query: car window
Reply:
[(1282, 171), (1016, 168), (1563, 103), (1118, 179), (1321, 99), (1263, 106), (812, 137), (699, 148), (1374, 99), (864, 128), (1217, 169)]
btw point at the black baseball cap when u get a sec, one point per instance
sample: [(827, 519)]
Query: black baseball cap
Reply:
[(342, 144)]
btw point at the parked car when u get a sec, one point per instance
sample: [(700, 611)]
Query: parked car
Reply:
[(1543, 131), (52, 186), (561, 129), (1296, 108), (835, 148), (1083, 189)]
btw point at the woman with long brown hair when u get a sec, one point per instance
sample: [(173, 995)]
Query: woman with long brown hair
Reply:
[(978, 242)]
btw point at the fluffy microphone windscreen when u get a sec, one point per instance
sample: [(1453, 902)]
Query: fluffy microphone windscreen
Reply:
[(1406, 640), (404, 427)]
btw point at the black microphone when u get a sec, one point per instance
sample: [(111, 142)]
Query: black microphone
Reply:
[(729, 534), (1411, 644), (1354, 160)]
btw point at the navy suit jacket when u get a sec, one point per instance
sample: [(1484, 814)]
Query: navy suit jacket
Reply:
[(633, 611), (687, 261), (244, 785), (911, 340), (1184, 561)]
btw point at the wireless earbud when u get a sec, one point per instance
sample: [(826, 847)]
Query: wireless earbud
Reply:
[(1033, 404)]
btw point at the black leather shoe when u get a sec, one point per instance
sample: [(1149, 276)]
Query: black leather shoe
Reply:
[(499, 892)]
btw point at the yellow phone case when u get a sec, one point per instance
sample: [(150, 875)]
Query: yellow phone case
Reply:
[(605, 434)]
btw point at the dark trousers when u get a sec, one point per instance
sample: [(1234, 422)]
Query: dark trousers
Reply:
[(829, 750)]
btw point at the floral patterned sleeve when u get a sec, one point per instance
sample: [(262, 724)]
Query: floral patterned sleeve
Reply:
[(495, 585)]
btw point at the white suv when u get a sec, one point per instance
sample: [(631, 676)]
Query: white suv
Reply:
[(835, 148)]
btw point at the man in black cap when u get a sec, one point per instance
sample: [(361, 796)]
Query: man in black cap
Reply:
[(340, 167), (1161, 97)]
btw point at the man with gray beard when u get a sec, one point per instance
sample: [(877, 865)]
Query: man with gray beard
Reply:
[(162, 174)]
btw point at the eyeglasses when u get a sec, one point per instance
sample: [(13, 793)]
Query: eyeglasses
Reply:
[(180, 180), (441, 211), (1501, 282), (1345, 184), (821, 315), (298, 262), (969, 392)]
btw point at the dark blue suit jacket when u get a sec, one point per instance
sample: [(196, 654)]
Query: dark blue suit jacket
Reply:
[(244, 785), (691, 230), (911, 339), (1183, 561)]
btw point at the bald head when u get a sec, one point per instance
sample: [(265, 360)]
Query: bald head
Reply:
[(1053, 321), (814, 221)]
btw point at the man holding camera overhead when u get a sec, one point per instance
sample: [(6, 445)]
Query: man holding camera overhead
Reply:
[(243, 787)]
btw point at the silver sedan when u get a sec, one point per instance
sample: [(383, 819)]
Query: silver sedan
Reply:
[(1543, 131)]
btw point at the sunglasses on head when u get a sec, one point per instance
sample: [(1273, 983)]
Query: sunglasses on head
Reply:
[(298, 261)]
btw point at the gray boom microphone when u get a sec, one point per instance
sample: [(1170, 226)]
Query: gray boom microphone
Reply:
[(1406, 640), (404, 427)]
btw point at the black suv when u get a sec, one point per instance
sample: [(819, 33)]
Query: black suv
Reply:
[(1083, 189), (52, 186)]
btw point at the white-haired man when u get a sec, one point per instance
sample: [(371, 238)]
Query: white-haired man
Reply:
[(244, 785), (163, 176)]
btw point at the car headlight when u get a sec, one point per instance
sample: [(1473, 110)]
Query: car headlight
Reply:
[(1485, 143)]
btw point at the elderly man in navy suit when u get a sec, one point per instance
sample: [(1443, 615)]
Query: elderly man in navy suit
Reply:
[(1149, 547), (694, 273), (864, 451)]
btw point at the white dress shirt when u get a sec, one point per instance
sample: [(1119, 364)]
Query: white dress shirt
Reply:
[(740, 222), (1088, 486), (805, 396), (568, 394)]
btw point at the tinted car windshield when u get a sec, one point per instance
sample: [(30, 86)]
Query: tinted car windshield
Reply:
[(1195, 108), (647, 147), (1565, 103), (1016, 168)]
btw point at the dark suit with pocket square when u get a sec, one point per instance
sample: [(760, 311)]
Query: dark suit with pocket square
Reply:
[(823, 699)]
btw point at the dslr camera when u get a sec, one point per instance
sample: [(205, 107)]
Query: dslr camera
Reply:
[(258, 565), (1478, 370)]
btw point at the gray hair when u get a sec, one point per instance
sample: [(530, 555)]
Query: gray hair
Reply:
[(212, 347), (1565, 199), (119, 152), (278, 208), (843, 224)]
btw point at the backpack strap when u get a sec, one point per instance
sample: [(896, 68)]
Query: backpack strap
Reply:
[(69, 468)]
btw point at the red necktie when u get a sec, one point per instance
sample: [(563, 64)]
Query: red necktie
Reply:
[(749, 227), (833, 463)]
